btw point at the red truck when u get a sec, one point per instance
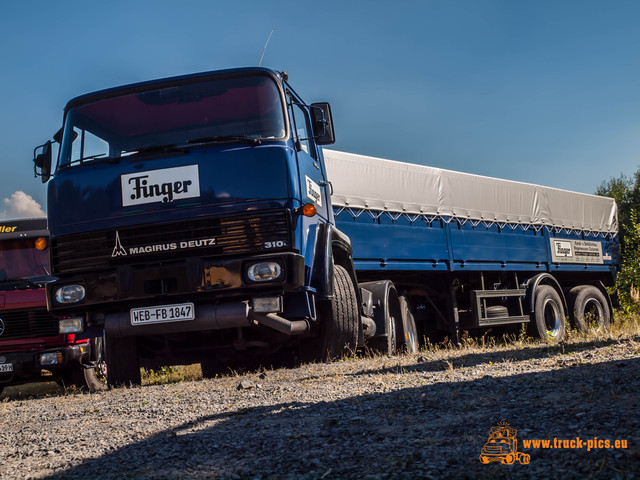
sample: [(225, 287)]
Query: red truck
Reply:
[(35, 345)]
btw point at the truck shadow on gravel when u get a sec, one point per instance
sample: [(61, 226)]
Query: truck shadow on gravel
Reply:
[(436, 430)]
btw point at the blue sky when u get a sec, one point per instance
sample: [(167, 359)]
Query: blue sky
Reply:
[(536, 91)]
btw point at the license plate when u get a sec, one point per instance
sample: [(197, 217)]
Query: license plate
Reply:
[(6, 367), (162, 314)]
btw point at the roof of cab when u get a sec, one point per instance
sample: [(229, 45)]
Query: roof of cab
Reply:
[(114, 91)]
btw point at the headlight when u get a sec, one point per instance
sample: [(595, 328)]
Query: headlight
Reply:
[(54, 358), (264, 272), (70, 325), (70, 294)]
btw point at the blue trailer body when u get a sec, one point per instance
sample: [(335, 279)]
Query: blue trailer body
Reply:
[(193, 219), (385, 242)]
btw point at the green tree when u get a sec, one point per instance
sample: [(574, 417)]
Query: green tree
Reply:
[(626, 191)]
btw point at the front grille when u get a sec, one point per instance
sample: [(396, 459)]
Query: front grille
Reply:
[(28, 324), (211, 237)]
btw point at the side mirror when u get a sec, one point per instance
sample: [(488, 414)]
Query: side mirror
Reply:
[(42, 161), (322, 123)]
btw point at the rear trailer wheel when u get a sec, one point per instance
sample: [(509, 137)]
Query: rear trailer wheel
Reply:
[(547, 319), (409, 330), (589, 308), (123, 368), (339, 321)]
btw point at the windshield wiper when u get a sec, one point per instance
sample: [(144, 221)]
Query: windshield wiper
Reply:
[(31, 282), (20, 284), (169, 147), (226, 139)]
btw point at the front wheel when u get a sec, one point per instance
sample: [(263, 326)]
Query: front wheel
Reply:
[(547, 320), (339, 321), (92, 379)]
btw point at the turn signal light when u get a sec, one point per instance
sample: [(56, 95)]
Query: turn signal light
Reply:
[(41, 243), (308, 209)]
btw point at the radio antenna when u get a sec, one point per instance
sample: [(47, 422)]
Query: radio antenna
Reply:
[(265, 47)]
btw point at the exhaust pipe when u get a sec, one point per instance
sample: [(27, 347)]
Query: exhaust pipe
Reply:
[(282, 325)]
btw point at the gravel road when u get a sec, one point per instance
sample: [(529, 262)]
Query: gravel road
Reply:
[(425, 415)]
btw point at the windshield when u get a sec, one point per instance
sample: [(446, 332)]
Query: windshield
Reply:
[(223, 109), (19, 259)]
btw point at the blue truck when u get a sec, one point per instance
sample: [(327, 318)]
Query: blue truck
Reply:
[(198, 219)]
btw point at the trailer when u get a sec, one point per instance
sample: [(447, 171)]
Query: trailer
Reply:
[(469, 251), (198, 218)]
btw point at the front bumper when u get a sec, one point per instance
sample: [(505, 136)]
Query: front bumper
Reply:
[(207, 317), (27, 366), (191, 279)]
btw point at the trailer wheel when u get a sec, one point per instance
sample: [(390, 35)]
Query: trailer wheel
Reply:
[(123, 368), (547, 319), (409, 330), (589, 308), (339, 321)]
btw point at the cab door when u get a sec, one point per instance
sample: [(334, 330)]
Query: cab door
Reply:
[(313, 183)]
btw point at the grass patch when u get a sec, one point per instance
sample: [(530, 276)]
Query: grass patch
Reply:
[(172, 374)]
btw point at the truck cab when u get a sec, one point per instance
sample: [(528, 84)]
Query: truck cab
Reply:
[(32, 347), (191, 221)]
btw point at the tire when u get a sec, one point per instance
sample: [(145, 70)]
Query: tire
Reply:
[(589, 309), (122, 360), (391, 313), (91, 379), (339, 321), (484, 460), (409, 339), (547, 320), (509, 459), (86, 379)]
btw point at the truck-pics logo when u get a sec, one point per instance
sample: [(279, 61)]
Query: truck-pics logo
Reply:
[(119, 250), (164, 185), (502, 446)]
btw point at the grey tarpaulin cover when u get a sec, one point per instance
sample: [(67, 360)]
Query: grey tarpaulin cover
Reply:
[(361, 182)]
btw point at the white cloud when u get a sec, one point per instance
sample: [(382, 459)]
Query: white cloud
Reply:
[(21, 205)]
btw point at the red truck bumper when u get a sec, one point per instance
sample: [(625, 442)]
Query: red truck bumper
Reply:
[(21, 367)]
